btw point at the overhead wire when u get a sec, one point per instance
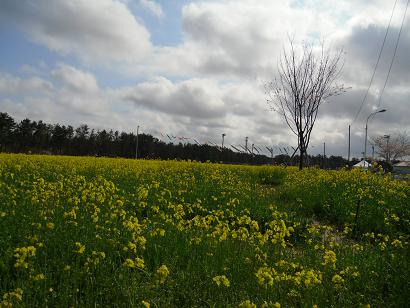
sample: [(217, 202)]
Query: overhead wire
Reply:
[(394, 55), (377, 63)]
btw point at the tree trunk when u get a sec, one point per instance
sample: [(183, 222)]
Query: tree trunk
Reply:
[(301, 151)]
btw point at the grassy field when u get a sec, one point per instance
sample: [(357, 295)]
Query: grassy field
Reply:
[(116, 232)]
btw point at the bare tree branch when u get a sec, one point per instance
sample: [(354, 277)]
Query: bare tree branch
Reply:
[(304, 81), (392, 147)]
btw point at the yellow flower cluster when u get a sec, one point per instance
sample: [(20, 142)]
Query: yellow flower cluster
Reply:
[(23, 254), (80, 248), (161, 274), (39, 277), (93, 260), (11, 297), (146, 304), (247, 304), (329, 258), (136, 263), (221, 281), (290, 272)]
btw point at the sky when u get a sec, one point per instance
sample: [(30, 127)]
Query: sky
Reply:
[(198, 69)]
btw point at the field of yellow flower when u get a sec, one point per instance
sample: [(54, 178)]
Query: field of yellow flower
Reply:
[(117, 232)]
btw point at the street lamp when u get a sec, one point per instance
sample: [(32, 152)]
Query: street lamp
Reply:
[(365, 139), (223, 138)]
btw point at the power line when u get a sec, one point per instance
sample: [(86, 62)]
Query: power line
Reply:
[(394, 54), (377, 63)]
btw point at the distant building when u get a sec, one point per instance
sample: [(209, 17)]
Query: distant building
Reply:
[(402, 167)]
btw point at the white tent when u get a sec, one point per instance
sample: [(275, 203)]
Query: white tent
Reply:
[(363, 164)]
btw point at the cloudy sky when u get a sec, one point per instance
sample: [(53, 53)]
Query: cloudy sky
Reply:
[(198, 68)]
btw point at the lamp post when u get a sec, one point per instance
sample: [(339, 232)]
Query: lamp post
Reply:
[(367, 121), (223, 138)]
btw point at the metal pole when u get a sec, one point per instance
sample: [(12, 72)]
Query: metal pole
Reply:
[(365, 139), (223, 137), (348, 153), (324, 154), (365, 142), (246, 144), (372, 152), (136, 147)]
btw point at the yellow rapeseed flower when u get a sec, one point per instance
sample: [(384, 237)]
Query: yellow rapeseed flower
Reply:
[(80, 248), (162, 273), (329, 258), (397, 243), (337, 279), (139, 263), (39, 277), (129, 263), (222, 280), (247, 304), (270, 305)]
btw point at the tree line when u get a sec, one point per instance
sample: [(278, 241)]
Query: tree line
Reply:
[(38, 137)]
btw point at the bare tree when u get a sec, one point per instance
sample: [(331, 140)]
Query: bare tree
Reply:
[(305, 80), (392, 147)]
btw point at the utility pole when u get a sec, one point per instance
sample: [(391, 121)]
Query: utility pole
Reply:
[(324, 154), (136, 147), (367, 121), (246, 144), (348, 152), (223, 137)]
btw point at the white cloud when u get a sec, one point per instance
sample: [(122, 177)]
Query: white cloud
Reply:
[(18, 86), (194, 98), (76, 79), (239, 39), (96, 31), (152, 6)]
